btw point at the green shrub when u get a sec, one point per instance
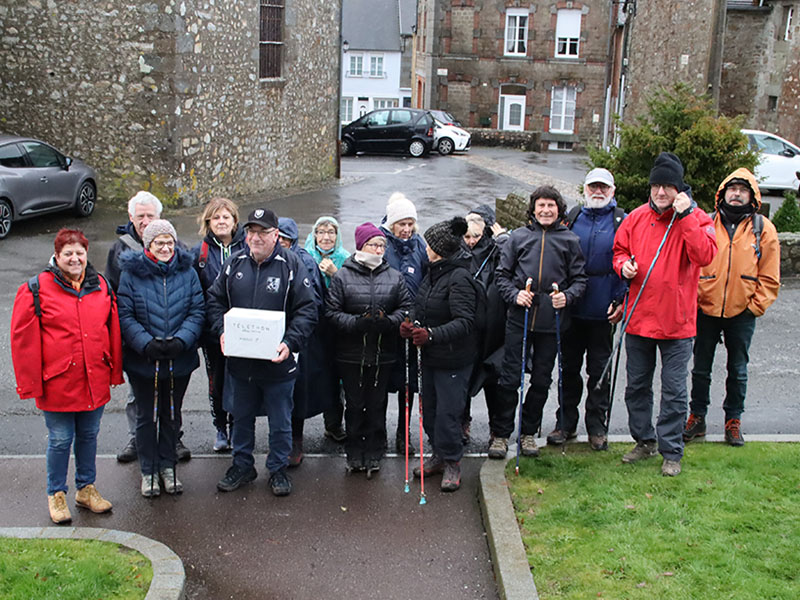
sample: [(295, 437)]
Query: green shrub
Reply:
[(710, 146), (787, 217)]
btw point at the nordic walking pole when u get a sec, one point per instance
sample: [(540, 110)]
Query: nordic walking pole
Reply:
[(627, 319), (422, 499), (528, 284), (408, 378), (155, 424), (560, 375), (616, 371)]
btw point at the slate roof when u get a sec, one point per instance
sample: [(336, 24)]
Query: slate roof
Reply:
[(376, 24)]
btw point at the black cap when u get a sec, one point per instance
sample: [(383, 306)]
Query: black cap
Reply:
[(264, 217), (667, 170)]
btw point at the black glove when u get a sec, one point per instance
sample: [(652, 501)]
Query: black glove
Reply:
[(153, 350), (384, 325), (364, 323), (171, 348)]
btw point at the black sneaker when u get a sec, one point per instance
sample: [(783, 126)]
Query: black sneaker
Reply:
[(280, 483), (182, 452), (400, 443), (129, 452), (373, 466), (695, 427), (733, 432), (236, 476), (337, 434), (355, 465)]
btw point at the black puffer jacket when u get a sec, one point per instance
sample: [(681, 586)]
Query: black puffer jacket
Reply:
[(354, 291), (445, 304)]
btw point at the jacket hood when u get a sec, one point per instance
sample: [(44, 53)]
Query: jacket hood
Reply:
[(338, 251), (745, 175), (138, 264), (288, 229), (486, 212), (129, 229)]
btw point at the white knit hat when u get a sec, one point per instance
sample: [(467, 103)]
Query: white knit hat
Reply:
[(398, 208)]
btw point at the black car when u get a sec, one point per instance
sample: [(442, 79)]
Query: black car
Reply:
[(390, 130)]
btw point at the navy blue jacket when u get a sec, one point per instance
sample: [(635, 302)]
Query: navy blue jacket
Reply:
[(408, 257), (209, 268), (159, 300), (281, 282), (112, 272), (595, 229)]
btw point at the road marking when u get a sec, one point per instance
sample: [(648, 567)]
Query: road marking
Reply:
[(395, 172)]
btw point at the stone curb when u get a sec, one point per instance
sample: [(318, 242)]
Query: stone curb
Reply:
[(169, 576), (511, 569)]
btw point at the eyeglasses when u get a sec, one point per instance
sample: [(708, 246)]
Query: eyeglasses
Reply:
[(262, 233), (375, 245), (326, 232), (162, 244), (597, 186)]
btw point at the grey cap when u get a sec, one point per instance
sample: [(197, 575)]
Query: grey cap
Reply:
[(599, 175)]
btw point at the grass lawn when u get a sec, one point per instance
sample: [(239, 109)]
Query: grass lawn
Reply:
[(727, 527), (71, 569)]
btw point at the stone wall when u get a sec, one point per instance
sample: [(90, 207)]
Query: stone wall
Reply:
[(166, 94), (523, 140)]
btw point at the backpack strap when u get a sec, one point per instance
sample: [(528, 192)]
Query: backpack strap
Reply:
[(202, 258), (127, 239), (758, 227), (619, 215), (33, 286), (573, 214)]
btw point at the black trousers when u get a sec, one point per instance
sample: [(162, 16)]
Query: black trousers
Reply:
[(215, 369), (156, 438), (365, 409), (593, 339), (444, 397)]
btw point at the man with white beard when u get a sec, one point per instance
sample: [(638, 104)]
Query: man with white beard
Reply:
[(590, 332)]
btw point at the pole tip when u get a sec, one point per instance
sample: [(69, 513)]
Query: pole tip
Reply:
[(406, 489), (422, 500), (516, 470)]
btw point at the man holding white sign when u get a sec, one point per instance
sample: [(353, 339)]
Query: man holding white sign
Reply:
[(268, 278)]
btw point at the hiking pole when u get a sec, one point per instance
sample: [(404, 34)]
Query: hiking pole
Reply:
[(616, 370), (560, 376), (155, 425), (422, 499), (408, 378), (528, 284), (627, 319)]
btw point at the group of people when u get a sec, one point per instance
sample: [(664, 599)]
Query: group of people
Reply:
[(464, 307)]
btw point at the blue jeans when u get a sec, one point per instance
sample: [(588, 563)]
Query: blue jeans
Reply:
[(253, 398), (736, 332), (62, 428), (640, 369)]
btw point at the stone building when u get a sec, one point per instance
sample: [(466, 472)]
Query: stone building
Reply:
[(517, 65), (761, 65), (190, 98)]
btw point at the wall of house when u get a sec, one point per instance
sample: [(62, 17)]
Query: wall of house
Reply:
[(166, 94), (387, 86), (467, 43)]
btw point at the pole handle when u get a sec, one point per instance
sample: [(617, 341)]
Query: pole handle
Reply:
[(528, 284), (555, 287)]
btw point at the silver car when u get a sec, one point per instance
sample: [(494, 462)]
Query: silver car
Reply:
[(37, 179)]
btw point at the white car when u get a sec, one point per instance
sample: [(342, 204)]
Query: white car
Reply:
[(449, 138), (779, 167)]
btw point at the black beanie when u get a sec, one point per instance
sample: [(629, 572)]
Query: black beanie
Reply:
[(445, 237), (667, 170)]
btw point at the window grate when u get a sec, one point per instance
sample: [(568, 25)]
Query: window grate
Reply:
[(270, 38)]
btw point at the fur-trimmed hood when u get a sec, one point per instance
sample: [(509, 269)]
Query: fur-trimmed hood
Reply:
[(140, 265)]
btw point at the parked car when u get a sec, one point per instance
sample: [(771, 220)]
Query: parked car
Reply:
[(36, 179), (449, 138), (444, 117), (390, 130), (780, 160)]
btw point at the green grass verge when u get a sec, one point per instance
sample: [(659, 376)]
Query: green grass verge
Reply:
[(71, 569), (727, 527)]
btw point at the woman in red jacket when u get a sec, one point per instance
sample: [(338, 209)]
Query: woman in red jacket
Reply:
[(67, 353)]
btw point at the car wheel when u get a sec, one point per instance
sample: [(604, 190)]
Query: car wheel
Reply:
[(87, 198), (5, 218), (445, 146), (416, 148), (348, 147)]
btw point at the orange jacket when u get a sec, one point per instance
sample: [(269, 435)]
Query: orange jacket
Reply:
[(736, 279)]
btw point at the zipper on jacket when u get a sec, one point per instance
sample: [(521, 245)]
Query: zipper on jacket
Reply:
[(538, 281), (727, 275), (166, 301)]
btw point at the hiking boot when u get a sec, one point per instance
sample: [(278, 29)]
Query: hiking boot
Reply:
[(59, 511), (528, 443), (355, 465), (559, 436), (337, 434), (150, 486), (670, 468), (642, 451), (222, 443), (465, 427), (236, 476), (733, 432), (182, 452), (599, 442), (432, 466), (171, 483), (451, 480), (296, 455), (129, 452), (400, 443), (89, 497), (695, 427), (279, 483), (498, 447), (373, 466)]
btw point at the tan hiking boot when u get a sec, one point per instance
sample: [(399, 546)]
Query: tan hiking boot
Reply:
[(670, 468), (529, 447), (498, 447), (89, 497), (59, 511), (599, 442), (642, 451)]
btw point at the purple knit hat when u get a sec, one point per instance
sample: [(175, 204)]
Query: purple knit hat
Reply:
[(366, 232)]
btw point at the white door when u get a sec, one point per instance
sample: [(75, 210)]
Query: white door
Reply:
[(512, 109)]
